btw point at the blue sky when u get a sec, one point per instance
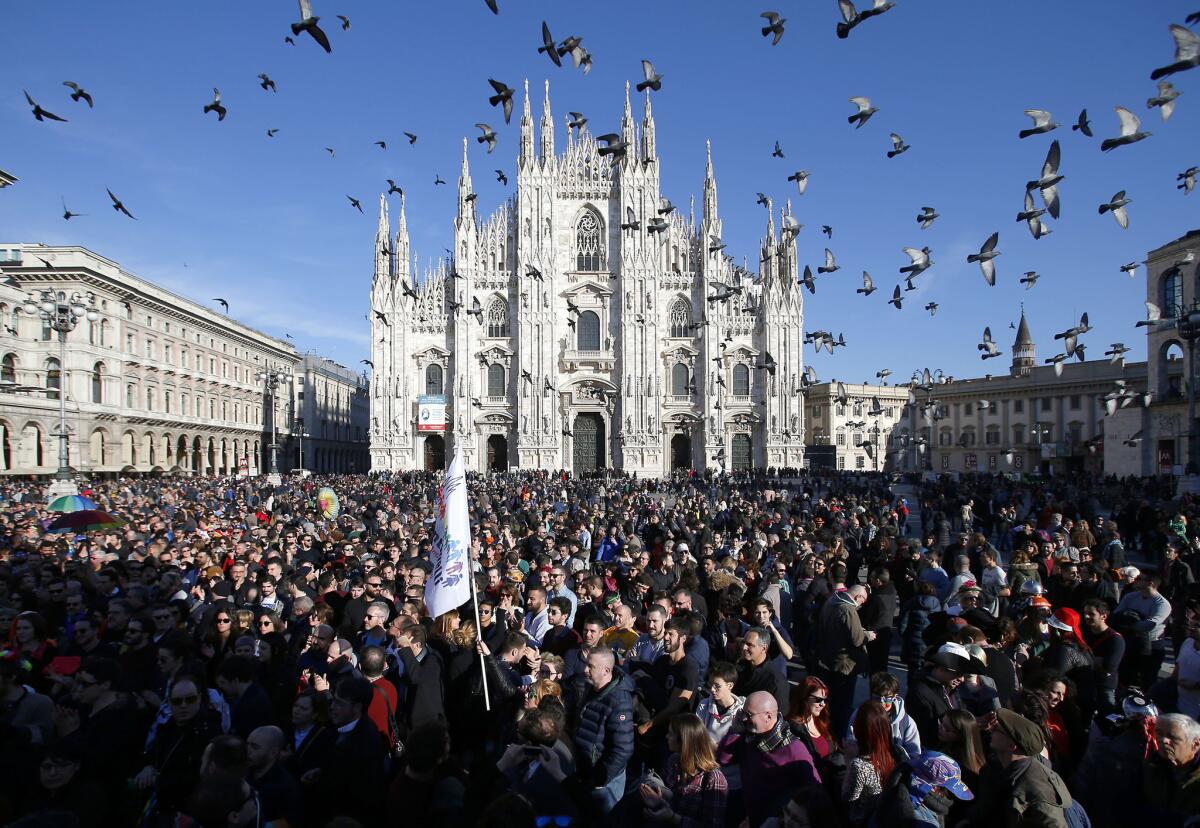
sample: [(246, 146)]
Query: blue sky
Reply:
[(225, 211)]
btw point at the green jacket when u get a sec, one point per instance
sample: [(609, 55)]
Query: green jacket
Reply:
[(1171, 791), (1039, 797)]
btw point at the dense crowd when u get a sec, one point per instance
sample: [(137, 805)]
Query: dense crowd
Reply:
[(708, 651)]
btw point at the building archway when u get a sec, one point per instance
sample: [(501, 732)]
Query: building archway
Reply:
[(435, 452), (681, 452), (588, 453), (497, 453)]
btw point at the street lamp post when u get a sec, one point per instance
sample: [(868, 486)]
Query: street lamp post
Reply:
[(273, 377), (63, 314), (302, 435)]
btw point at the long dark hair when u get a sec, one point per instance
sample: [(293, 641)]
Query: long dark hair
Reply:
[(873, 732)]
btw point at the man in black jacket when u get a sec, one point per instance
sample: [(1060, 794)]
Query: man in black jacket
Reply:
[(930, 689), (424, 675), (351, 781)]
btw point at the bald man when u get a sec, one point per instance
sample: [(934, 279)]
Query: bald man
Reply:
[(773, 763), (280, 796)]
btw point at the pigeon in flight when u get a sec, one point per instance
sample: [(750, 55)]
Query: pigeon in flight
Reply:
[(1117, 352), (1153, 316), (118, 206), (381, 144), (830, 264), (504, 95), (1188, 177), (653, 79), (534, 273), (1075, 330), (985, 256), (1030, 279), (345, 22), (762, 199), (223, 304), (1083, 124), (777, 152), (577, 120), (926, 217), (827, 230), (896, 298), (266, 83), (1116, 206), (271, 132), (898, 146), (548, 45), (908, 284), (1130, 269), (851, 17), (1187, 52), (715, 245), (988, 346), (667, 207), (215, 105), (801, 179), (865, 111), (808, 281), (613, 145), (1130, 132), (1048, 182), (868, 285), (392, 188), (412, 139), (920, 261), (774, 25), (39, 113), (932, 308), (367, 362), (354, 202), (1033, 217), (1041, 123), (501, 177), (491, 4), (382, 318), (309, 23), (791, 227), (1164, 100), (288, 40), (78, 93), (657, 225), (488, 137), (631, 220)]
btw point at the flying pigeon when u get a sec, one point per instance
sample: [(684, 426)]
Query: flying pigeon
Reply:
[(266, 83), (926, 217), (1083, 124), (898, 146), (868, 286), (308, 23), (1041, 123), (367, 362), (491, 4), (896, 298), (830, 265), (67, 214), (437, 179), (777, 152), (667, 207), (1130, 269), (1033, 217), (653, 79), (1117, 352), (791, 227), (488, 137), (920, 261), (381, 144), (118, 206), (865, 111), (1164, 100), (1188, 177), (827, 230), (1048, 182), (1075, 330), (392, 188), (504, 96), (801, 179), (631, 220), (1153, 316), (78, 93), (774, 25), (808, 281), (548, 46), (985, 256), (932, 308), (354, 202), (501, 177), (1030, 279), (223, 304), (1130, 132), (39, 113), (1116, 206), (1187, 52), (614, 145), (345, 22), (577, 120), (988, 346), (271, 132), (851, 17), (412, 139)]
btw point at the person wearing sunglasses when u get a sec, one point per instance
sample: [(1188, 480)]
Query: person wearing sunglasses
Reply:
[(885, 689), (177, 747)]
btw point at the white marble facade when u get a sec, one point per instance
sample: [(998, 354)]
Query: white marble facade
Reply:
[(594, 345)]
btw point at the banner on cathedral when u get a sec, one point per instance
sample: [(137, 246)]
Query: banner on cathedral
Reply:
[(431, 412), (448, 587)]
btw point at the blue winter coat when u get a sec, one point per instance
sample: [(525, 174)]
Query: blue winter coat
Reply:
[(604, 735), (914, 620)]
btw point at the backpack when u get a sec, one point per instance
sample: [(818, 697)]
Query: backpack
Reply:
[(1075, 816), (395, 744)]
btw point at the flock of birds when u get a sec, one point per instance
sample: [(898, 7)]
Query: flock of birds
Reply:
[(1044, 186)]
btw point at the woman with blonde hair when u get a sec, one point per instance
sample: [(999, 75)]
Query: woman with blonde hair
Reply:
[(959, 738), (539, 690), (696, 786)]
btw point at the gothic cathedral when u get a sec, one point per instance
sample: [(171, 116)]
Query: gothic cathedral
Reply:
[(576, 328)]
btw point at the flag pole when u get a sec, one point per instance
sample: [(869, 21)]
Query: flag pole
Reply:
[(487, 699)]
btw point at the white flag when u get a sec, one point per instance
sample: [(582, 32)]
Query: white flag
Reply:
[(448, 587)]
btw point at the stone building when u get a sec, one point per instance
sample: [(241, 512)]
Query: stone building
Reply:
[(333, 409), (861, 431), (577, 328)]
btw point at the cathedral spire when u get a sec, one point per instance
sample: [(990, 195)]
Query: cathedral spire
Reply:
[(465, 192), (401, 247), (383, 259), (1024, 351), (384, 229), (710, 187), (547, 127), (649, 152), (627, 127), (526, 130)]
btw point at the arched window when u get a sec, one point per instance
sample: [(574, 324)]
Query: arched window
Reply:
[(433, 379), (679, 379), (589, 245), (98, 382), (741, 380), (8, 368), (1172, 303), (589, 332), (495, 380), (497, 318), (53, 378), (130, 396), (681, 318), (104, 332)]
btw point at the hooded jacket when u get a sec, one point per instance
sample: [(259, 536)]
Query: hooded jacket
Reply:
[(904, 730)]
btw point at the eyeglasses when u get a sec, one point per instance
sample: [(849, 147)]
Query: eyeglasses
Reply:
[(266, 622), (818, 699), (220, 620), (180, 701)]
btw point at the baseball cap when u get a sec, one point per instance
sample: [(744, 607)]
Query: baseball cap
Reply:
[(939, 769)]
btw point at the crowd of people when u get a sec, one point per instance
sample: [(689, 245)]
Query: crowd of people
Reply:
[(708, 651)]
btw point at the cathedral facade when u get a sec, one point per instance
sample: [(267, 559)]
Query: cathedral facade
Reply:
[(586, 324)]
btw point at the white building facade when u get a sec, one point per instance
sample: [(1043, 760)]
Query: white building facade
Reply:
[(158, 383), (595, 345), (330, 432), (862, 431)]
